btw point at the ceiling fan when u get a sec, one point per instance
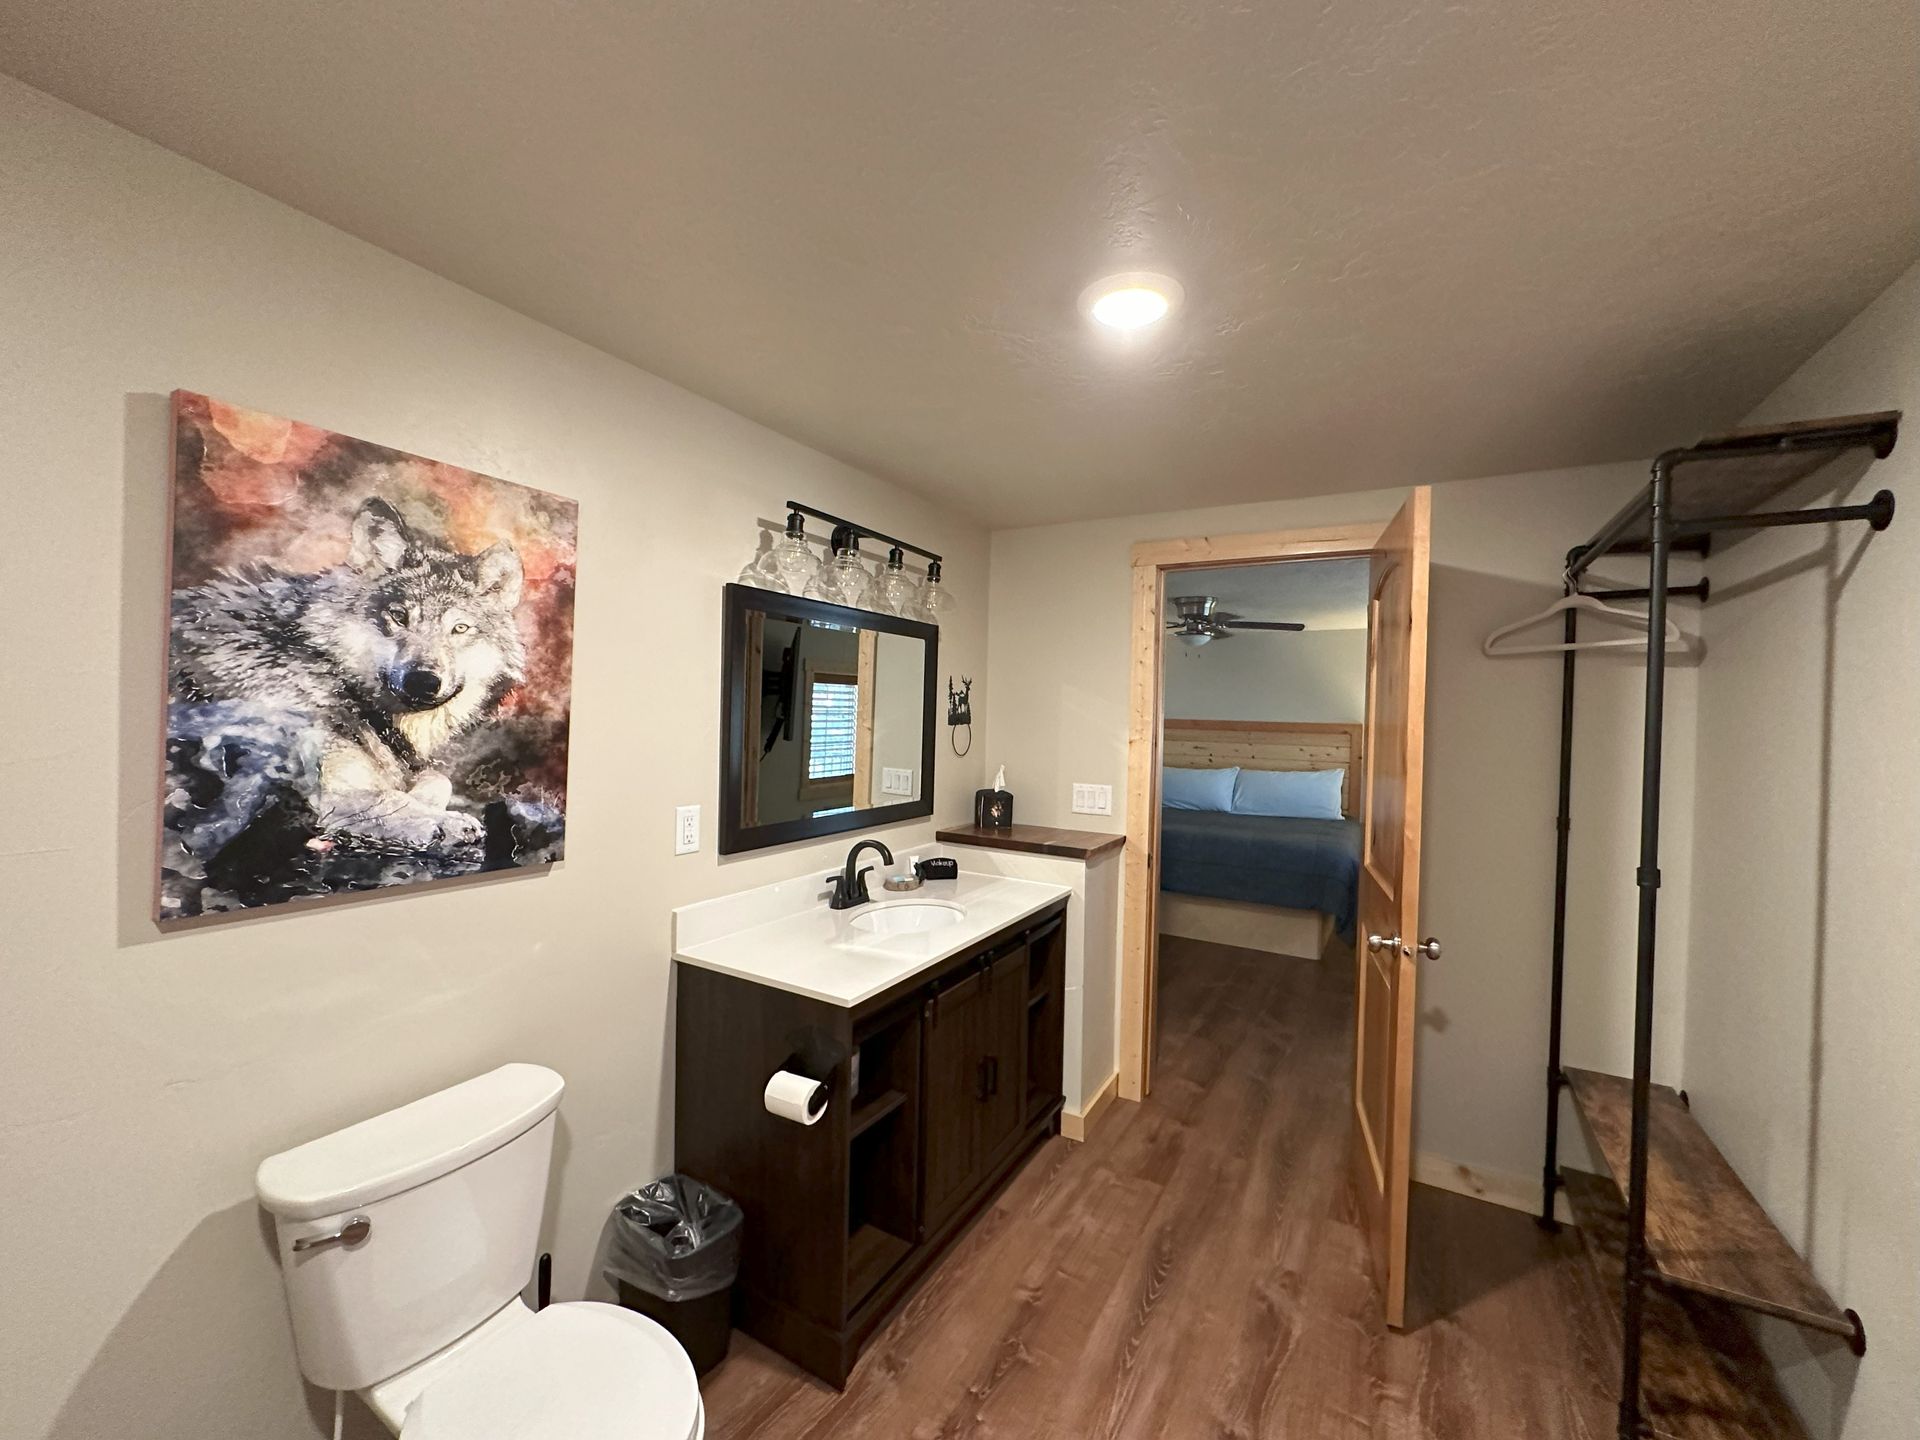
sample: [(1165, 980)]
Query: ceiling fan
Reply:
[(1202, 621)]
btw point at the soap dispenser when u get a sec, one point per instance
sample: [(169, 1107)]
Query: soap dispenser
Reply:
[(993, 809)]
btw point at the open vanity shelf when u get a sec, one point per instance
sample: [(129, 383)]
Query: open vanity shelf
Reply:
[(883, 1149), (1678, 1245), (938, 1088)]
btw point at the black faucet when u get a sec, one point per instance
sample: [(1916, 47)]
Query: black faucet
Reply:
[(850, 885)]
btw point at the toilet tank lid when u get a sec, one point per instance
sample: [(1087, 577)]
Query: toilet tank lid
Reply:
[(409, 1146)]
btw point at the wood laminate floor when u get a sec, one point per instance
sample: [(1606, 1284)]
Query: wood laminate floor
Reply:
[(1195, 1270)]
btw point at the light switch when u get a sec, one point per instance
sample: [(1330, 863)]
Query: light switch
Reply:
[(1092, 799), (686, 829), (896, 781)]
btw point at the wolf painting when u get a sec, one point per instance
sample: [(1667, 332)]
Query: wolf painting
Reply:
[(369, 667)]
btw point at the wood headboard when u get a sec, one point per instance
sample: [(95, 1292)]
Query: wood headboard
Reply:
[(1268, 745)]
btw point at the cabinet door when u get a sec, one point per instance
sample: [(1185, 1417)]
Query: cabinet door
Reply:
[(951, 1043), (1003, 1046)]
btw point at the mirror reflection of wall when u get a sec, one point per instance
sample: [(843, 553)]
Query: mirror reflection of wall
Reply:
[(836, 722)]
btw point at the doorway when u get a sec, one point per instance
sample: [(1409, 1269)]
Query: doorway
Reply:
[(1390, 770)]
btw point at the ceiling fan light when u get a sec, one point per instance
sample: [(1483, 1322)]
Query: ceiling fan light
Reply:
[(1194, 638)]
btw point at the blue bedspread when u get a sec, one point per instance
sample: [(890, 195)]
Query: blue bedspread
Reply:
[(1263, 859)]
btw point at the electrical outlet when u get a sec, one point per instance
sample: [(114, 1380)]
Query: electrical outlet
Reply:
[(1092, 799), (686, 829), (895, 782)]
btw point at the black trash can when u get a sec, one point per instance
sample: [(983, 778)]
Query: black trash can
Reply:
[(673, 1254)]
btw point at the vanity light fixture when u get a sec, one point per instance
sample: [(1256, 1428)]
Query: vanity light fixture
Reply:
[(1131, 300), (789, 566)]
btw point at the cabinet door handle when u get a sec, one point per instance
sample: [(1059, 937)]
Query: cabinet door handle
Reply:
[(980, 1091), (993, 1075)]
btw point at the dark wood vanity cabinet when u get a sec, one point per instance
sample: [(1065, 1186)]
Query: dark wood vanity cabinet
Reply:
[(974, 1028), (939, 1087)]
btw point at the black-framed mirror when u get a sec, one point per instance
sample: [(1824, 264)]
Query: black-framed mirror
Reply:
[(827, 718)]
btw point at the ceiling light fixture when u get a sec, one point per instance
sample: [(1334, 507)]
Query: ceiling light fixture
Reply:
[(1132, 300)]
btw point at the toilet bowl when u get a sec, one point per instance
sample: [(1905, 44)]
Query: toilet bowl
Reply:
[(576, 1371), (405, 1242)]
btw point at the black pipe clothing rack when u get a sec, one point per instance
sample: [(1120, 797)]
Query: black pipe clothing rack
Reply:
[(1695, 1239)]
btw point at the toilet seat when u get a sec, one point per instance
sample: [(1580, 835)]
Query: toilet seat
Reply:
[(579, 1371)]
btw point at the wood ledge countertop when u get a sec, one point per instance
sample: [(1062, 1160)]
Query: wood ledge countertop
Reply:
[(1034, 840)]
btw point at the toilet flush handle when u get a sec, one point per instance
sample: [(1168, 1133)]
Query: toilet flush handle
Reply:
[(351, 1233)]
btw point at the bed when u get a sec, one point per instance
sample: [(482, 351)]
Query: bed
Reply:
[(1263, 882)]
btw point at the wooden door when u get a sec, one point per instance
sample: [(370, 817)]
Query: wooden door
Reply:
[(951, 1127), (1386, 957), (1003, 1043)]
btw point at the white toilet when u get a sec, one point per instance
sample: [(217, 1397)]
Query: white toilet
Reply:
[(404, 1243)]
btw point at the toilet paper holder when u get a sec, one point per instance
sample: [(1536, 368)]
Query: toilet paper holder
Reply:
[(792, 1094)]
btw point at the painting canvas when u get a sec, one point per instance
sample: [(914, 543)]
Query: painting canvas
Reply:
[(369, 667)]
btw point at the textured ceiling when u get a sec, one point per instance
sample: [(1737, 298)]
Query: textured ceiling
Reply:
[(1418, 241), (1321, 594)]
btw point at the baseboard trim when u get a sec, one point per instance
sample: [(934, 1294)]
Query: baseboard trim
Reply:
[(1495, 1187), (1077, 1125)]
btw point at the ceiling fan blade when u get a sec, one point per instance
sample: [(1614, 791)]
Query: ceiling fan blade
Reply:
[(1266, 625)]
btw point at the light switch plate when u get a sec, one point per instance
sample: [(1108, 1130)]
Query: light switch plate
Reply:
[(896, 781), (1092, 799), (686, 829)]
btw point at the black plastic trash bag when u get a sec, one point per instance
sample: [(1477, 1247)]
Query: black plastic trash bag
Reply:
[(676, 1239)]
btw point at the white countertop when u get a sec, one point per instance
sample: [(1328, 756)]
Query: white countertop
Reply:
[(785, 936)]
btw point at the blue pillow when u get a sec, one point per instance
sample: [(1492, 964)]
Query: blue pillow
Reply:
[(1197, 789), (1300, 794)]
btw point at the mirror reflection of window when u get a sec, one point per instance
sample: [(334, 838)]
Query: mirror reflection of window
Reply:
[(832, 703)]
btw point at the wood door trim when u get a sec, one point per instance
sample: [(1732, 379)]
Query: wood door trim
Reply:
[(755, 665), (1321, 542), (864, 668), (1152, 560)]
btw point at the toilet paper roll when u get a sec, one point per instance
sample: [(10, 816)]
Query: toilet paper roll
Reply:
[(799, 1098)]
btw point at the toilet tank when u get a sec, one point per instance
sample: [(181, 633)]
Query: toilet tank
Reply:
[(452, 1187)]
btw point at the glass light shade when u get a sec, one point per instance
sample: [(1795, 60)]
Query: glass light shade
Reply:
[(840, 579), (1195, 638), (790, 560), (936, 601), (892, 591), (760, 573)]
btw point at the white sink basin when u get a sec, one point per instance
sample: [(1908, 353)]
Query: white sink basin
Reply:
[(907, 917)]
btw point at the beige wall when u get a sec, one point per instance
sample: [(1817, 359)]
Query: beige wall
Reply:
[(145, 1074), (1315, 676), (1060, 716), (1804, 996)]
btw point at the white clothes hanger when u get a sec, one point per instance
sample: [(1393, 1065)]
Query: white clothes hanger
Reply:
[(1676, 639)]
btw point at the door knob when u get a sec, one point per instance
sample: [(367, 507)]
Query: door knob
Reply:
[(1377, 943), (1428, 947)]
